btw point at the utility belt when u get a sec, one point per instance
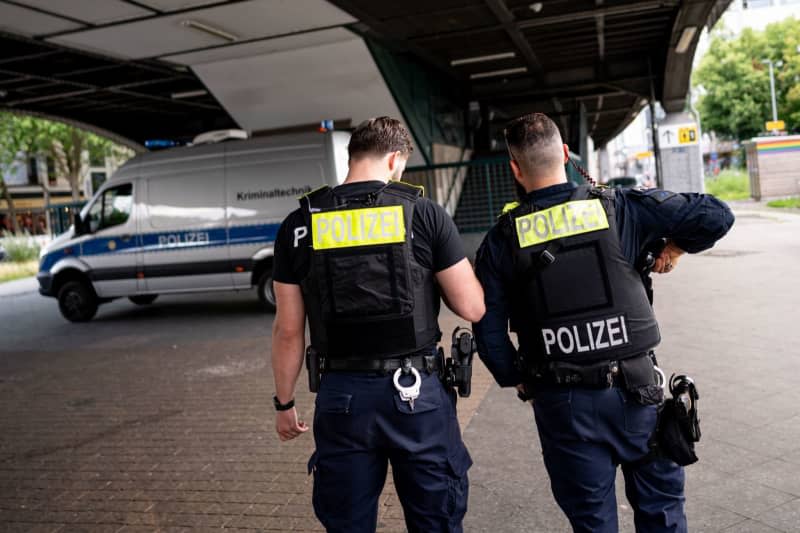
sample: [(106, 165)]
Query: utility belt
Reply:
[(428, 363), (454, 372), (639, 375), (678, 426)]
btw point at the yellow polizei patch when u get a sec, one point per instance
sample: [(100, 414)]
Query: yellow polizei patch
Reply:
[(358, 227), (563, 220)]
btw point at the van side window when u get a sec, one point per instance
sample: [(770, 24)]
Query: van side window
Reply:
[(111, 209)]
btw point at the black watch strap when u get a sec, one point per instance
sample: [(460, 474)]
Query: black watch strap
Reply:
[(282, 406)]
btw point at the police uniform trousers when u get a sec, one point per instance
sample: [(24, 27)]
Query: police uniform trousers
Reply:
[(361, 425), (585, 434)]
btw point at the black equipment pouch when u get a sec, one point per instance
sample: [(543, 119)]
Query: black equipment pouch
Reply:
[(458, 367), (678, 423), (314, 366), (641, 380)]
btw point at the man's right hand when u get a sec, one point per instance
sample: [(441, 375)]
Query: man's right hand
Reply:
[(288, 426), (668, 259)]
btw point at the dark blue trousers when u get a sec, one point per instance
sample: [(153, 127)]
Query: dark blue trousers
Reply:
[(361, 425), (585, 434)]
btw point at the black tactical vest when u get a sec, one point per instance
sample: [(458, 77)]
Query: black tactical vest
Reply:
[(575, 297), (365, 294)]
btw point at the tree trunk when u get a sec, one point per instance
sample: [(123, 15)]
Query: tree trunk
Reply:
[(75, 165), (12, 212)]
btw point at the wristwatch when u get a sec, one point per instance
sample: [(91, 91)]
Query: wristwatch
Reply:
[(282, 406)]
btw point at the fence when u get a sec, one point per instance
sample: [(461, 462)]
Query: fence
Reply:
[(473, 192)]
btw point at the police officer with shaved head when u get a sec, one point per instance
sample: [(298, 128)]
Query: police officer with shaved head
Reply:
[(366, 262), (558, 270)]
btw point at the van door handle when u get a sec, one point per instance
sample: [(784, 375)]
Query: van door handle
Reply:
[(126, 237)]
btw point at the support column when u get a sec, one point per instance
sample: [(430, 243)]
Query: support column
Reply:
[(679, 154)]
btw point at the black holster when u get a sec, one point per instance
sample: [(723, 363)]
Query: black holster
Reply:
[(457, 370), (314, 368)]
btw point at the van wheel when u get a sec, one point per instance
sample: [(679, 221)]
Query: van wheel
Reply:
[(266, 293), (143, 299), (77, 302)]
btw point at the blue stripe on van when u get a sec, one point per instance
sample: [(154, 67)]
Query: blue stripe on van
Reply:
[(161, 241), (248, 234)]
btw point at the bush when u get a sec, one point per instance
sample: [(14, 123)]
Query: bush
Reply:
[(785, 202), (729, 185), (20, 249)]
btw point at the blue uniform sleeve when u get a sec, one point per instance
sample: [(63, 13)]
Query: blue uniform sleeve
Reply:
[(491, 333), (693, 221)]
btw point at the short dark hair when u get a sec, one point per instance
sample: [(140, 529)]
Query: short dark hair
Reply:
[(378, 137), (530, 139)]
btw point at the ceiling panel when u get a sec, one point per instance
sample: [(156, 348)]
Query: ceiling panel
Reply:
[(15, 19), (270, 46), (92, 11), (302, 87), (246, 20), (174, 5)]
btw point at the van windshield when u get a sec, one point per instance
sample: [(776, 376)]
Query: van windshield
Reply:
[(112, 208)]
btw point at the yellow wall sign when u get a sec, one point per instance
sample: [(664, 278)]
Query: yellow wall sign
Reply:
[(776, 125), (358, 227), (687, 135), (563, 220)]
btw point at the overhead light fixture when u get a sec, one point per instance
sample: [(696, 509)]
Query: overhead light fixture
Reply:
[(686, 39), (536, 7), (189, 94), (495, 73), (480, 59), (211, 30)]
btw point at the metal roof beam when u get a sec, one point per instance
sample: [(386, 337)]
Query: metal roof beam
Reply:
[(605, 11), (555, 20), (614, 86), (112, 89), (509, 22), (369, 24), (507, 19)]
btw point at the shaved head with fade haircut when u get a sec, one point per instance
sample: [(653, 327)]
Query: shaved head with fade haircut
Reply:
[(535, 143)]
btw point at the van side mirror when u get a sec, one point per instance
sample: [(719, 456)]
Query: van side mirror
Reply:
[(79, 225)]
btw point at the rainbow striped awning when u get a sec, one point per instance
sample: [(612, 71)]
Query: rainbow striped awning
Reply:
[(778, 146)]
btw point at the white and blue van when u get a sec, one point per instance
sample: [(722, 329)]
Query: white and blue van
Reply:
[(191, 219)]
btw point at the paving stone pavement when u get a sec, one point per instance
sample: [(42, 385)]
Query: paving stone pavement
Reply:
[(153, 419), (728, 318), (159, 418)]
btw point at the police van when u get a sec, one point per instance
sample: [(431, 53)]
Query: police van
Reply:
[(190, 219)]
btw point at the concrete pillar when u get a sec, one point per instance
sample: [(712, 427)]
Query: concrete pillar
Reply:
[(603, 165)]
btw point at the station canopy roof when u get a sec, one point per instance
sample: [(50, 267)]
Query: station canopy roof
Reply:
[(127, 67)]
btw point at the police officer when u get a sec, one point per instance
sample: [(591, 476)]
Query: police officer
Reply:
[(558, 269), (366, 262)]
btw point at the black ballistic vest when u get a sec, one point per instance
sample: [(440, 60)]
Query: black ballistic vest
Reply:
[(365, 294), (575, 297)]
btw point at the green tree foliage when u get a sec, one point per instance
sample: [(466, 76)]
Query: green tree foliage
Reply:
[(735, 99), (65, 144)]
